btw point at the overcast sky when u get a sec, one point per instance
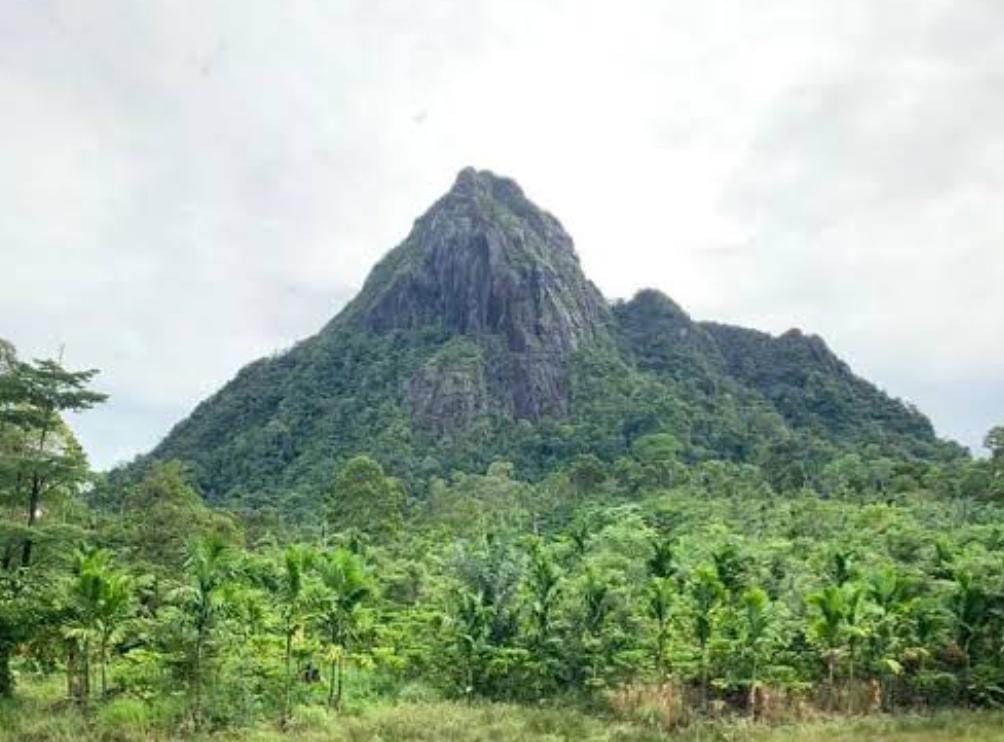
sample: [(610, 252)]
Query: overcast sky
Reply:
[(189, 185)]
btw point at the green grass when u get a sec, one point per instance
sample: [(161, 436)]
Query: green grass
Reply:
[(39, 714), (955, 725)]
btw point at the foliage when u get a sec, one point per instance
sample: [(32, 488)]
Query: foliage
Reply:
[(655, 389), (666, 586)]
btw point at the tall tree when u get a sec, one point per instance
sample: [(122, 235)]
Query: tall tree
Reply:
[(345, 586), (755, 636), (994, 442), (364, 498), (162, 514), (202, 602), (707, 593), (40, 455), (660, 605), (101, 597), (662, 568), (290, 594)]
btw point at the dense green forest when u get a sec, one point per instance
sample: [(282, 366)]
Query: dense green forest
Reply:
[(483, 492), (480, 339), (644, 586)]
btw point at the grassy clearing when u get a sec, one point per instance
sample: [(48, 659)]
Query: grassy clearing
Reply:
[(39, 714), (462, 723)]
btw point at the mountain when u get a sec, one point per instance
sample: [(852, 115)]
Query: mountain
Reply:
[(479, 337), (484, 262)]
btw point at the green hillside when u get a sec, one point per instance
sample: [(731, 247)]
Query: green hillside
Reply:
[(480, 339), (484, 503)]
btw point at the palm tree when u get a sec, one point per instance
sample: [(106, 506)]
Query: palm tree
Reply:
[(756, 624), (891, 594), (660, 603), (596, 607), (345, 586), (971, 607), (290, 594), (248, 605), (843, 567), (662, 563), (85, 596), (471, 630), (545, 589), (828, 627), (595, 598), (102, 597), (707, 593), (853, 595), (202, 601), (115, 607)]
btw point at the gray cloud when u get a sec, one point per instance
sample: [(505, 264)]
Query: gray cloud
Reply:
[(189, 186), (871, 194)]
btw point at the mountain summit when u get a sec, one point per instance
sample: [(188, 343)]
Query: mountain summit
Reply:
[(485, 263), (479, 338)]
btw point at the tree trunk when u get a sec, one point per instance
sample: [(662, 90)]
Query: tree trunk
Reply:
[(284, 719), (71, 672), (34, 500), (10, 547), (103, 658), (331, 685), (850, 679), (831, 664), (6, 676), (338, 690), (85, 678), (197, 682), (33, 503), (704, 678)]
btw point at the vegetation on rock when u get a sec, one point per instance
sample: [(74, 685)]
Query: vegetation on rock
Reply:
[(479, 339), (483, 496)]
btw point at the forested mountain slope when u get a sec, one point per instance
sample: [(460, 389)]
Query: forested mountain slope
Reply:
[(479, 338)]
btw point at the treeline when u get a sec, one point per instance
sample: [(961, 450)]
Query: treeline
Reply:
[(638, 582), (277, 430)]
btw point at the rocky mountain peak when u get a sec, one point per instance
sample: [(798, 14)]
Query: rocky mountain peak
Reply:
[(482, 317), (472, 183), (480, 200), (486, 263)]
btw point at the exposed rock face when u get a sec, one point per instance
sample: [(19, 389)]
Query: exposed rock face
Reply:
[(479, 326), (486, 263), (449, 393)]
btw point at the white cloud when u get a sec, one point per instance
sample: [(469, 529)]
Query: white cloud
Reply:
[(188, 186)]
